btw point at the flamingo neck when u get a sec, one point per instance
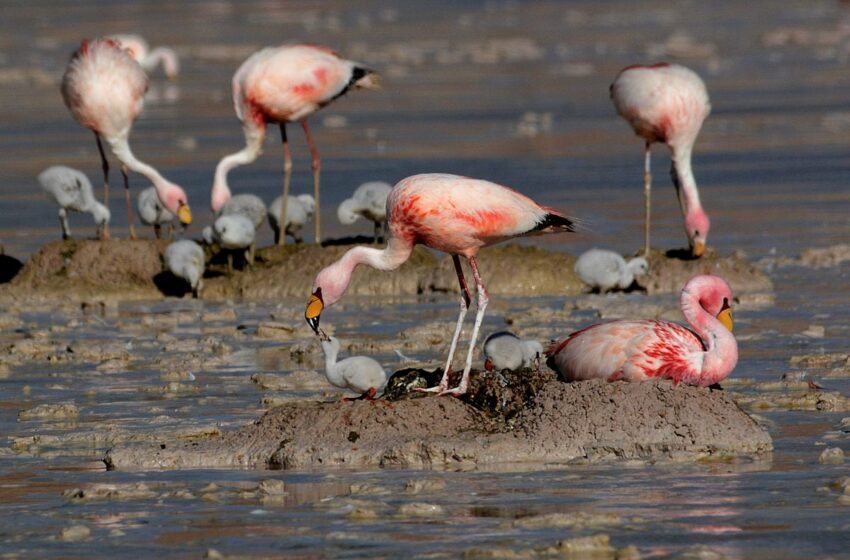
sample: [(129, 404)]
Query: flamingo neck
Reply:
[(335, 279), (683, 179), (121, 148), (721, 354), (253, 146), (168, 58)]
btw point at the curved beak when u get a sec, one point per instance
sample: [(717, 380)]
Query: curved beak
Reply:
[(698, 249), (313, 312), (725, 316), (184, 214)]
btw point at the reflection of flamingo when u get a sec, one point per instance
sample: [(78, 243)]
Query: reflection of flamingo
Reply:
[(287, 84), (148, 59), (454, 214), (667, 103), (104, 90), (641, 350)]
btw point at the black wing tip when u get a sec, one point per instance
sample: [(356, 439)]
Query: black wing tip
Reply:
[(555, 222)]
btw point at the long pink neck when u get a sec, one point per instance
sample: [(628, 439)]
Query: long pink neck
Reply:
[(254, 137), (339, 274), (721, 353), (686, 184), (170, 63), (121, 148)]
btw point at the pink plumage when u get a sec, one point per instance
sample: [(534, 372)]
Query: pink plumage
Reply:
[(280, 85), (638, 350), (458, 215), (668, 103)]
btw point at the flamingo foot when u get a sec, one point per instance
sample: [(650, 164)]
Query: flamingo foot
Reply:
[(438, 389), (458, 391)]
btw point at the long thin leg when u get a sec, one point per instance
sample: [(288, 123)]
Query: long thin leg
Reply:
[(280, 238), (647, 187), (124, 172), (157, 231), (465, 300), (377, 236), (63, 222), (317, 166), (104, 232), (483, 300)]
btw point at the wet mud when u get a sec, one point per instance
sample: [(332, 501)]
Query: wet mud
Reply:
[(506, 418)]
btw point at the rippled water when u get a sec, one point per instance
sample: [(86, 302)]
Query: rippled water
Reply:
[(515, 92)]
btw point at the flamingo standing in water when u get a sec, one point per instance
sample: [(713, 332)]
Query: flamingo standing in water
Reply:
[(667, 103), (138, 48), (649, 349), (104, 90), (288, 84), (457, 215)]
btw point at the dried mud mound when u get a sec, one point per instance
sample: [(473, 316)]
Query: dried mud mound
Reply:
[(670, 271), (503, 421)]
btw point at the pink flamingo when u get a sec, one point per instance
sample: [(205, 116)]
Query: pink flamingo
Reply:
[(104, 90), (457, 215), (667, 103), (641, 350), (287, 84)]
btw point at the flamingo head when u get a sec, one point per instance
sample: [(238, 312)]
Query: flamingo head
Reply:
[(714, 295), (697, 225), (175, 201), (328, 288), (365, 78)]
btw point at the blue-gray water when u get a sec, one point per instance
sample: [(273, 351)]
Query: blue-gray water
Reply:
[(514, 92)]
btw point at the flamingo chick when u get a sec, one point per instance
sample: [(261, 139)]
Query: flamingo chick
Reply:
[(505, 350), (288, 84), (71, 190), (667, 103), (299, 211), (148, 59), (152, 212), (603, 270), (456, 215), (185, 259), (104, 90), (361, 374), (234, 232), (650, 349), (368, 201)]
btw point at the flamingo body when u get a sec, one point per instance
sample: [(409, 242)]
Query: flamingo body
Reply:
[(668, 103), (638, 350), (457, 215), (70, 189)]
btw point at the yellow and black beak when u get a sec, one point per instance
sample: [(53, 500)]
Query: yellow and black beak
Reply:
[(725, 316), (184, 214), (313, 313), (697, 249)]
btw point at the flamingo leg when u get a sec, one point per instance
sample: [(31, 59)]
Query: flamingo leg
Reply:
[(124, 172), (63, 222), (483, 300), (377, 237), (280, 236), (647, 187), (104, 232), (317, 167), (157, 231), (465, 300)]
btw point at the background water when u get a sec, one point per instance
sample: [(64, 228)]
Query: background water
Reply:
[(514, 92)]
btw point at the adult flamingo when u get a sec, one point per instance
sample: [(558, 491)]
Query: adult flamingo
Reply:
[(457, 215), (287, 84), (104, 90), (667, 103), (649, 349)]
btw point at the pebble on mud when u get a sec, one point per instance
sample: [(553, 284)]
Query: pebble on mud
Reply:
[(831, 456)]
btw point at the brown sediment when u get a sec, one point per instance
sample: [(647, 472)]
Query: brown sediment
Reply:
[(506, 418), (669, 272)]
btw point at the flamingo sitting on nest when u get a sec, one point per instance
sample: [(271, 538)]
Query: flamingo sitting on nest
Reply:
[(457, 215), (641, 350)]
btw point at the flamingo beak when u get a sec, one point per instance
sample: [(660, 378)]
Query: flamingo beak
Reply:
[(372, 80), (698, 249), (488, 364), (184, 214), (313, 312), (725, 316)]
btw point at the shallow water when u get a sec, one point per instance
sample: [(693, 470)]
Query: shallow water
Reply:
[(515, 92)]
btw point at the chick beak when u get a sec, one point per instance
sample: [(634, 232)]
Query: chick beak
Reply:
[(725, 316), (313, 312), (698, 249), (488, 364), (184, 214)]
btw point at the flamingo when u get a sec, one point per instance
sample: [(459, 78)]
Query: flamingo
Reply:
[(505, 350), (456, 215), (104, 90), (361, 374), (299, 210), (667, 103), (138, 48), (649, 349), (72, 190), (368, 201), (185, 259), (152, 212), (288, 84), (604, 270)]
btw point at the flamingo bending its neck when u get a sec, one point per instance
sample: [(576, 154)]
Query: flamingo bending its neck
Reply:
[(649, 349), (281, 85), (148, 59), (456, 215), (104, 90), (667, 103)]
